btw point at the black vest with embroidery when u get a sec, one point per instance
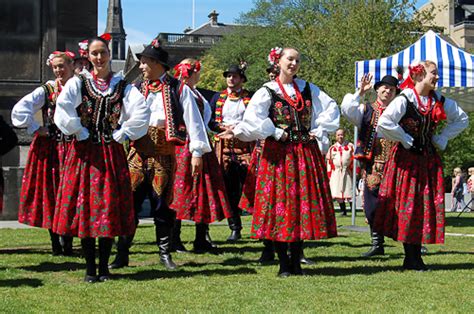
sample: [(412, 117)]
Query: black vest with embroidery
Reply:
[(296, 123), (99, 113), (47, 111), (368, 133), (175, 128), (419, 126)]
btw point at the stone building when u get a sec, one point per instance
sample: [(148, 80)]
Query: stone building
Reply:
[(30, 30)]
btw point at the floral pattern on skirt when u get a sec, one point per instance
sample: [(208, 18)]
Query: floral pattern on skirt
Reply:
[(247, 200), (292, 200), (40, 183), (411, 198), (203, 198), (95, 194)]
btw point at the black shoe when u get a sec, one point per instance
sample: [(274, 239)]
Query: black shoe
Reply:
[(66, 243), (104, 278), (120, 261), (56, 248), (266, 257), (234, 236), (306, 261), (284, 274), (167, 262), (90, 279), (178, 247), (377, 246), (203, 247), (424, 250), (163, 240)]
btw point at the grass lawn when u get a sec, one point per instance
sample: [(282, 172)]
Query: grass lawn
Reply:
[(31, 280)]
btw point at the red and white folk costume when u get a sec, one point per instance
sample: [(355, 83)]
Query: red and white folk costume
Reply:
[(95, 197), (202, 198), (412, 192), (45, 157), (340, 160), (293, 201)]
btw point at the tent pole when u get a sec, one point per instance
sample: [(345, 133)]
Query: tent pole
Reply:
[(354, 180)]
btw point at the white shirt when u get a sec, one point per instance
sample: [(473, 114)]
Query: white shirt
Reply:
[(23, 113), (256, 123), (134, 117), (457, 120), (198, 140), (232, 110)]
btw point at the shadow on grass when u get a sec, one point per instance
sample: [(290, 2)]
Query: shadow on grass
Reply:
[(14, 283), (370, 270), (164, 274), (463, 221), (24, 251), (54, 267)]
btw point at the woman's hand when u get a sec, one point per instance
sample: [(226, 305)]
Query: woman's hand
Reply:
[(227, 134), (284, 137), (196, 165)]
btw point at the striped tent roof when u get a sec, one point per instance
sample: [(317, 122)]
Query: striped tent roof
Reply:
[(455, 66)]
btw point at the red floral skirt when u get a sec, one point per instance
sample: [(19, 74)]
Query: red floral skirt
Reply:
[(40, 183), (292, 198), (247, 200), (95, 194), (411, 198), (202, 199)]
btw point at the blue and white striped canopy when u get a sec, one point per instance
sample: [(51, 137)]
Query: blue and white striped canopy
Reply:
[(455, 66)]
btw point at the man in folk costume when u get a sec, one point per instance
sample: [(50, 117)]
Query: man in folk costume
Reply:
[(234, 155), (340, 161), (371, 150), (174, 114)]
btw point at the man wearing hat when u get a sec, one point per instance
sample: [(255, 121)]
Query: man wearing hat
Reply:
[(234, 155), (371, 150), (174, 116)]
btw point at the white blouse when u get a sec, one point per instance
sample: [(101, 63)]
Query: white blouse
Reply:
[(232, 110), (198, 140), (134, 117), (457, 120), (23, 113), (207, 107), (256, 123)]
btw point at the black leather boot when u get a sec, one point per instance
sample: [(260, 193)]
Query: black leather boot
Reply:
[(55, 244), (163, 237), (123, 251), (377, 245), (176, 243), (105, 248), (235, 225), (411, 260), (208, 237), (420, 265), (201, 245), (282, 250), (88, 249), (66, 243), (268, 253), (296, 249)]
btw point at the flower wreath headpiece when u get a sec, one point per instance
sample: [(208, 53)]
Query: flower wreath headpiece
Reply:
[(184, 70), (56, 53), (414, 68), (274, 55)]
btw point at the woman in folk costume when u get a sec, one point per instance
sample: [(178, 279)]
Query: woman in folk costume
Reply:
[(47, 151), (412, 193), (95, 196), (293, 201), (202, 197), (340, 158)]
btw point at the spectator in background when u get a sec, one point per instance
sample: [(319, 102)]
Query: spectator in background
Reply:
[(457, 190)]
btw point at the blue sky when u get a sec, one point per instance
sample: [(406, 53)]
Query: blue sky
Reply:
[(144, 19)]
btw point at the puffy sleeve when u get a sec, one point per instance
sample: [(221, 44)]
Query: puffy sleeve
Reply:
[(198, 140), (325, 117), (457, 121), (256, 123), (65, 116), (388, 122), (135, 116), (352, 109), (24, 110)]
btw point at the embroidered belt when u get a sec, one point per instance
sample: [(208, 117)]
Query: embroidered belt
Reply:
[(299, 137)]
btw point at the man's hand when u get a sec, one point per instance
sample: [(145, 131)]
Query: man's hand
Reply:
[(196, 165), (365, 84), (284, 137), (227, 134)]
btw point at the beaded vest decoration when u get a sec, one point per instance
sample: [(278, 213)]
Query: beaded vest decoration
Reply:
[(100, 113)]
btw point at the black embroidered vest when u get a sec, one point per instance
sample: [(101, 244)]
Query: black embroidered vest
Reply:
[(175, 128), (100, 114), (284, 116), (47, 111), (419, 126), (368, 133)]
